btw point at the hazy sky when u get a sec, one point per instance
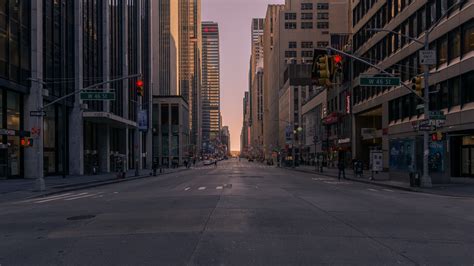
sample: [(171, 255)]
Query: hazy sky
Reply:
[(234, 18)]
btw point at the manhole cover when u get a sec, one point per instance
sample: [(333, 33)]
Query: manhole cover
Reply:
[(80, 217)]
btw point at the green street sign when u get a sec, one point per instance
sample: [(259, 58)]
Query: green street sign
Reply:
[(379, 81), (97, 96), (437, 115)]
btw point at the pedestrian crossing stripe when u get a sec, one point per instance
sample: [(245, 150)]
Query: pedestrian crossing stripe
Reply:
[(64, 197)]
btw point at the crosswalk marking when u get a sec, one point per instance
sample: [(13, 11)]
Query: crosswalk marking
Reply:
[(186, 189), (59, 198), (201, 188), (81, 197), (219, 187), (47, 198), (65, 197), (373, 190)]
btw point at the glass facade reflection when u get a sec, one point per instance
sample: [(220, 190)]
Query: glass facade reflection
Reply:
[(11, 153)]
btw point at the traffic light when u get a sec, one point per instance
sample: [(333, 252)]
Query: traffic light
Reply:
[(438, 136), (139, 85), (337, 65), (26, 142), (418, 85), (322, 72)]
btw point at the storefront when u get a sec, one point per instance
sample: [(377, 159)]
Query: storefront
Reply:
[(11, 131), (462, 155)]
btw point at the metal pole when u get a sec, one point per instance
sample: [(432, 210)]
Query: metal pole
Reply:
[(293, 149), (426, 179)]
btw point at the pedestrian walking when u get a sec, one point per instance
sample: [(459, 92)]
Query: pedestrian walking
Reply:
[(215, 163), (342, 170)]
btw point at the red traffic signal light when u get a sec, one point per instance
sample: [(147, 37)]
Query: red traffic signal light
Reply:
[(26, 142), (337, 59), (140, 91)]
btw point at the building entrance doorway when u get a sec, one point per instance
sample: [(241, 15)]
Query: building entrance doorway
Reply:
[(467, 161), (3, 163)]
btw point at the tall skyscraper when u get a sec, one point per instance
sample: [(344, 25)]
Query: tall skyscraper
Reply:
[(256, 87), (190, 63), (64, 47), (177, 57), (257, 43), (165, 52), (210, 91)]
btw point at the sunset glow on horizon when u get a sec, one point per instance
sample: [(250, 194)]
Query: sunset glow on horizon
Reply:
[(234, 18)]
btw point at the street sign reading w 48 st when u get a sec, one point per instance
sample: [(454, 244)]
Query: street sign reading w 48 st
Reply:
[(379, 81), (97, 96)]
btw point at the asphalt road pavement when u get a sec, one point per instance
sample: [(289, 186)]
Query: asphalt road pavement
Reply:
[(238, 213)]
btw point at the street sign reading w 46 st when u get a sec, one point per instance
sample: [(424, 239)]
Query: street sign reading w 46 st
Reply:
[(380, 81)]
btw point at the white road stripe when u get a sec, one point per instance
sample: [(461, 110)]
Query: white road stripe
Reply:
[(201, 188), (186, 189), (373, 190), (61, 198), (388, 190), (219, 187), (83, 196), (46, 198)]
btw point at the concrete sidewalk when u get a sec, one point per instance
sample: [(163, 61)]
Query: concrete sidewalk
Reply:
[(14, 189), (459, 187)]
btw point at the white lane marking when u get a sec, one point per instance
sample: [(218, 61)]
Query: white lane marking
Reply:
[(96, 197), (61, 198), (83, 196), (219, 187), (186, 189), (201, 188), (388, 190), (46, 198), (373, 190)]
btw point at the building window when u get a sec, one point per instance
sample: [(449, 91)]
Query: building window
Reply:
[(325, 32), (290, 16), (468, 37), (306, 44), (306, 53), (292, 45), (322, 6), (467, 90), (306, 6), (454, 44), (306, 25), (306, 16), (290, 25), (323, 15), (454, 92), (323, 44), (442, 50), (290, 54), (323, 25)]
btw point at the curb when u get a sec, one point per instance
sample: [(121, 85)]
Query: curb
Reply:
[(98, 184), (409, 189), (361, 181)]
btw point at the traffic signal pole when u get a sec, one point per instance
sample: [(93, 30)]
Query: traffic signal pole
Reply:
[(40, 183), (426, 178)]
